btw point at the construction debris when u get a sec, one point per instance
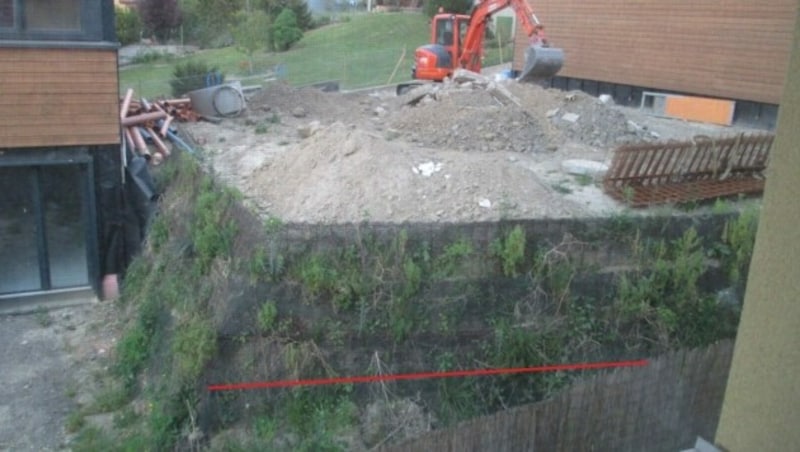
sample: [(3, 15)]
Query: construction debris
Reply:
[(148, 124), (343, 163), (703, 168)]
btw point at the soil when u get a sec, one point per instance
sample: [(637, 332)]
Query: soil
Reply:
[(57, 357), (479, 150)]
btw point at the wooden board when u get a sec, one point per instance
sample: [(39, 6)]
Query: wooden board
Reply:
[(701, 109), (734, 49), (58, 97)]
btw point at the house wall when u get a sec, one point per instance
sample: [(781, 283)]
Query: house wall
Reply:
[(58, 97), (737, 49), (760, 410)]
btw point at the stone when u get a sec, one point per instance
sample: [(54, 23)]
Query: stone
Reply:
[(570, 117), (299, 112), (308, 130), (581, 167), (633, 127)]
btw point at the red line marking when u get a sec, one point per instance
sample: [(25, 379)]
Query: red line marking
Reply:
[(423, 375)]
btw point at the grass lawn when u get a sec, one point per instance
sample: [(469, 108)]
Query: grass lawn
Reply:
[(360, 52)]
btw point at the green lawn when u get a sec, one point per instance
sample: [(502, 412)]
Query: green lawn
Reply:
[(363, 51)]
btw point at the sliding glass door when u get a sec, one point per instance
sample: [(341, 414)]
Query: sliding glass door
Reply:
[(45, 227)]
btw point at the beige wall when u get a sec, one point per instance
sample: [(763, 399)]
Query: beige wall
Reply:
[(736, 49), (761, 411)]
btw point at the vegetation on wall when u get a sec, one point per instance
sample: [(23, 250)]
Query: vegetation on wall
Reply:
[(307, 311)]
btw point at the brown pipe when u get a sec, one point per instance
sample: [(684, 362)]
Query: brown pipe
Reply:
[(165, 126), (142, 118), (140, 144), (162, 148), (181, 101), (126, 103)]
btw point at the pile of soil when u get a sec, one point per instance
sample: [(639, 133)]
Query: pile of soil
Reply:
[(473, 120), (344, 174), (471, 151), (479, 117)]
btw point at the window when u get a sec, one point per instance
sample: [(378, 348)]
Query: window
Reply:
[(53, 15), (6, 13), (50, 20)]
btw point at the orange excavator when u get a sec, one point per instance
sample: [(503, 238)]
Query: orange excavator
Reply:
[(457, 42)]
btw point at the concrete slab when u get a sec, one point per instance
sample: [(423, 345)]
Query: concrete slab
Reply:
[(37, 301)]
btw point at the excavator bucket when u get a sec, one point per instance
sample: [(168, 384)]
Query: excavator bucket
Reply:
[(541, 63)]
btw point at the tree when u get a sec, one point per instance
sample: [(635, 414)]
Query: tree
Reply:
[(252, 33), (285, 31), (300, 8), (127, 25), (160, 16)]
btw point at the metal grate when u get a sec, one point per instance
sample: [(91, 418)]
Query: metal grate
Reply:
[(703, 168)]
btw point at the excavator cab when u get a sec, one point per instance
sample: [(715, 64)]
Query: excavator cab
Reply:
[(437, 60)]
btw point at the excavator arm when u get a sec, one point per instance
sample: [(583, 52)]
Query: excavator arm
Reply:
[(542, 61)]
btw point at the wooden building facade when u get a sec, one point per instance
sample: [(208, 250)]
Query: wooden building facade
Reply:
[(60, 160), (729, 49)]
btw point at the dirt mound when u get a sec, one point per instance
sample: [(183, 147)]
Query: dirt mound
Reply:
[(472, 120), (344, 174), (484, 115), (287, 101), (580, 117)]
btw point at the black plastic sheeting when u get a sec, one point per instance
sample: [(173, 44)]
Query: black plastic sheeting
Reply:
[(124, 210)]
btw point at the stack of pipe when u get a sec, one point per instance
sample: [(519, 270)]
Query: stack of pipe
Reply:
[(144, 121)]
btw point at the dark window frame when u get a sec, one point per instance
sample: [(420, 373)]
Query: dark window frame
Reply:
[(35, 158), (96, 24)]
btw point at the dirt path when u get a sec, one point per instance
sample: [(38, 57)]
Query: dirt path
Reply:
[(49, 363)]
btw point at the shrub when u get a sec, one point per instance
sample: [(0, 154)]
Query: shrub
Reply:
[(128, 26), (160, 17), (190, 76), (285, 30)]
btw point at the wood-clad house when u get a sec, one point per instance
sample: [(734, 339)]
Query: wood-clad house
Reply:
[(728, 49), (60, 160)]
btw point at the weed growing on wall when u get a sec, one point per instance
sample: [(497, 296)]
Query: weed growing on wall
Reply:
[(268, 316), (660, 301), (510, 250), (736, 247), (193, 345), (212, 230), (454, 260)]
